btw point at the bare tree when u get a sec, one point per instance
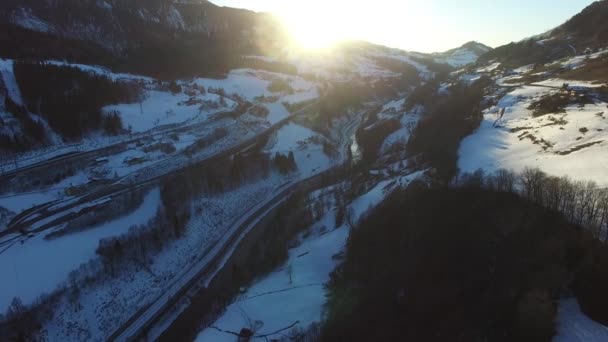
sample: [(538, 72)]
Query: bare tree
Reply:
[(603, 215), (532, 180), (504, 180)]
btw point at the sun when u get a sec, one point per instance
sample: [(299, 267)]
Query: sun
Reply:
[(313, 38), (320, 24), (317, 25)]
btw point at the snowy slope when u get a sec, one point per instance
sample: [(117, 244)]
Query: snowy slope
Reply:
[(109, 304), (250, 83), (572, 143), (306, 147), (103, 71), (459, 58), (408, 121), (574, 326), (466, 54), (163, 108), (278, 301), (358, 61), (28, 279), (6, 72)]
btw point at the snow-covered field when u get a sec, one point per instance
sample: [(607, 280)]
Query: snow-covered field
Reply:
[(304, 143), (295, 292), (250, 83), (574, 326), (106, 306), (160, 107), (35, 266), (459, 58), (580, 60), (279, 299), (19, 202), (572, 143), (345, 64), (163, 108), (99, 70)]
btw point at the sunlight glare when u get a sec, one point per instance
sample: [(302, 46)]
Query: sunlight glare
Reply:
[(316, 24)]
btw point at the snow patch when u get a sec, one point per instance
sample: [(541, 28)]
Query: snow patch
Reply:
[(562, 144), (574, 326), (24, 17), (25, 278), (10, 82)]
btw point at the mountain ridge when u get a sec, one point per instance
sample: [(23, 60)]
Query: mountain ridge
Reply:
[(587, 29)]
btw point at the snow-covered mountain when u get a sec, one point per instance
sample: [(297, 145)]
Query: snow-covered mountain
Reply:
[(141, 141), (549, 105), (136, 36), (113, 23), (461, 56), (586, 30)]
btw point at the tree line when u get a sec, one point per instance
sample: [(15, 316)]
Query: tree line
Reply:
[(463, 264), (33, 130), (70, 99), (581, 202), (445, 121)]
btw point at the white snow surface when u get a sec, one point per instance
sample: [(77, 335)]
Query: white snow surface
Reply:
[(459, 58), (556, 82), (100, 70), (250, 83), (494, 146), (580, 60), (574, 326), (8, 76), (25, 18), (274, 300), (19, 202), (108, 305), (344, 64), (304, 143), (490, 67), (402, 135), (277, 113), (469, 78), (524, 69), (162, 108), (27, 279)]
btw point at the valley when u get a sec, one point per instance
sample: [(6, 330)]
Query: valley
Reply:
[(177, 170)]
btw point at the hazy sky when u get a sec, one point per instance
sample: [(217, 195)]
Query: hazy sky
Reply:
[(421, 25)]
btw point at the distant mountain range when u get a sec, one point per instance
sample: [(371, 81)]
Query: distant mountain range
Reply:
[(156, 37), (169, 39), (152, 36)]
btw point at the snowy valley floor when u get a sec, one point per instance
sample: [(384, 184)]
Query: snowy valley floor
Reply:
[(295, 292)]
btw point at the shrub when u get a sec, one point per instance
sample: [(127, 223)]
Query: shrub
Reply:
[(279, 85), (112, 123), (548, 104)]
